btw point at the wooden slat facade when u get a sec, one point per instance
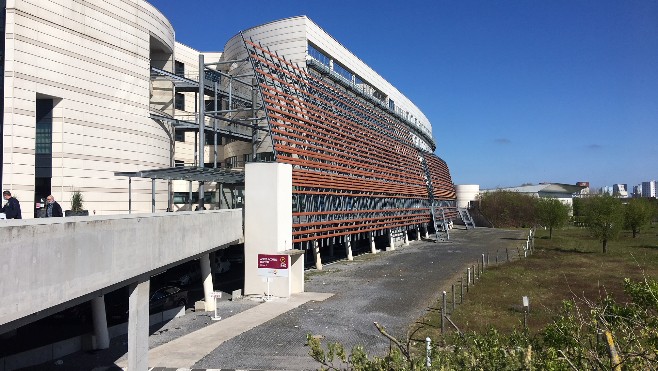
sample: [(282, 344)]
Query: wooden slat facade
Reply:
[(355, 167)]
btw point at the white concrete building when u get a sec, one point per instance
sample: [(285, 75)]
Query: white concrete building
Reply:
[(77, 95), (303, 43), (649, 189), (81, 97)]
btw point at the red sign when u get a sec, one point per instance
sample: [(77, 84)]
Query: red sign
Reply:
[(273, 261)]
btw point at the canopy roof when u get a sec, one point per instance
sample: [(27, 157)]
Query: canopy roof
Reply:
[(200, 174)]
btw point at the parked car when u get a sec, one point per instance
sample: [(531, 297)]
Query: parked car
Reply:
[(167, 297), (221, 264), (187, 273)]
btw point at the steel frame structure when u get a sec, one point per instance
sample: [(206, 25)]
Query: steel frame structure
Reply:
[(355, 167)]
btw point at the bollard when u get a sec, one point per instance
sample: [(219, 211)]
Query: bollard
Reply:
[(468, 278), (428, 350), (507, 253), (453, 298), (482, 271), (461, 293), (443, 314), (487, 259), (474, 276)]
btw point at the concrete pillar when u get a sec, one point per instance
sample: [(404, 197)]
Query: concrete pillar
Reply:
[(373, 248), (348, 248), (417, 234), (206, 277), (391, 242), (406, 238), (331, 250), (268, 225), (426, 233), (138, 326), (99, 317), (316, 253)]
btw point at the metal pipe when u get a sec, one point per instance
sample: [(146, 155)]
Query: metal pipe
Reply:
[(254, 132), (214, 127), (202, 125), (226, 62), (130, 195), (152, 195)]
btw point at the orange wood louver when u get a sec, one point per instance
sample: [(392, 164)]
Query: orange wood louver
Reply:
[(355, 167)]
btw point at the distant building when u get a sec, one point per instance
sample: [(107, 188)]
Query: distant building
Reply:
[(562, 192), (620, 190), (649, 189), (637, 190)]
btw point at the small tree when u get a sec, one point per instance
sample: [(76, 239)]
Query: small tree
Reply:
[(552, 213), (76, 201), (638, 214), (604, 217)]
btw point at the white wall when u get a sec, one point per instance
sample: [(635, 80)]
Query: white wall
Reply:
[(93, 58), (267, 223)]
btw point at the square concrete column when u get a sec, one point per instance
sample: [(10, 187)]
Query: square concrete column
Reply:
[(138, 326), (101, 334), (417, 234), (391, 241), (316, 254), (406, 238), (348, 248), (268, 225), (206, 278), (373, 247)]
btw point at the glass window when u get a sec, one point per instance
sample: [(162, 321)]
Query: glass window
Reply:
[(210, 139), (179, 101), (180, 136), (231, 161), (391, 104), (318, 55), (342, 71), (179, 68), (265, 157)]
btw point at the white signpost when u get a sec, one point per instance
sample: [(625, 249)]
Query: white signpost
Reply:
[(216, 295)]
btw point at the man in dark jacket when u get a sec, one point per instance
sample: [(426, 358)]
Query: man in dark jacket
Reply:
[(12, 208), (52, 207)]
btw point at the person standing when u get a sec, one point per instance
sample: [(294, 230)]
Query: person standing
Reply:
[(12, 208), (52, 208)]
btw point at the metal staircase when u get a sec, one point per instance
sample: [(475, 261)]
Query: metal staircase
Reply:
[(442, 228), (466, 217)]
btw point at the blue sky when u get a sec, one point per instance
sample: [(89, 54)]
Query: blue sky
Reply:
[(517, 91)]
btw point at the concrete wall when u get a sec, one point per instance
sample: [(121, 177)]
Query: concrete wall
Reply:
[(268, 222), (47, 262)]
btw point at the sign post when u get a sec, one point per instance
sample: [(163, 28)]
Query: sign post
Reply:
[(216, 295), (273, 266)]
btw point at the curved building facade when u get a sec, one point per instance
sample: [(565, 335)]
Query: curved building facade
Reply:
[(77, 95), (360, 150), (97, 88)]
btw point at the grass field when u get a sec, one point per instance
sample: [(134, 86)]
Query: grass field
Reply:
[(571, 265)]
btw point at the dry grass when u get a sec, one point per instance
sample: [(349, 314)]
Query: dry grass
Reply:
[(570, 265)]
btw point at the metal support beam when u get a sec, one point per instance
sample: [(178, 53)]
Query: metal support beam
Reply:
[(153, 195), (202, 125)]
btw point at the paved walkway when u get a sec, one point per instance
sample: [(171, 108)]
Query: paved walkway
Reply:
[(185, 351)]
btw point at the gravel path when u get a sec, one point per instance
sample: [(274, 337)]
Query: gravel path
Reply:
[(393, 288)]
